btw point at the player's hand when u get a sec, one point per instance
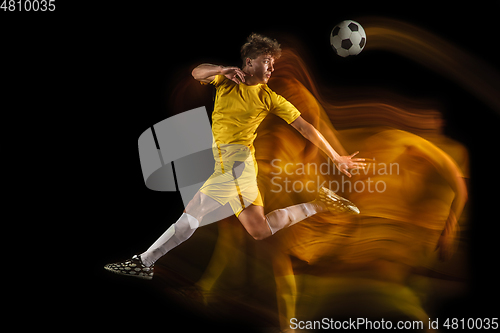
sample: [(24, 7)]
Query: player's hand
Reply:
[(345, 163), (234, 73)]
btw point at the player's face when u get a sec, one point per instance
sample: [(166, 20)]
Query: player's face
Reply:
[(262, 68)]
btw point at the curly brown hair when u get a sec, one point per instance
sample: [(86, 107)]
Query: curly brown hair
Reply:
[(258, 44)]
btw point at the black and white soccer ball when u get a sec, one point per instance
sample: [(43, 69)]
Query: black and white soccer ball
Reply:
[(348, 38)]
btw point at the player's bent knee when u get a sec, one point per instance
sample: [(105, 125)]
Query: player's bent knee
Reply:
[(260, 230), (255, 223), (260, 236)]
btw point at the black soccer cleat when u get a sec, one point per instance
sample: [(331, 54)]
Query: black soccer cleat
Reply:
[(131, 267)]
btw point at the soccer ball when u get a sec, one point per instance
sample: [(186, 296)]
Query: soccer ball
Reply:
[(348, 38)]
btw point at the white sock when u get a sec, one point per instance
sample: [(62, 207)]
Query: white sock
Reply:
[(283, 218), (175, 235)]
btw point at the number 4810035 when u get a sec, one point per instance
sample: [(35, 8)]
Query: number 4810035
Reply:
[(28, 5)]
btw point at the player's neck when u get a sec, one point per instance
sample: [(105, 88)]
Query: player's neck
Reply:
[(251, 80)]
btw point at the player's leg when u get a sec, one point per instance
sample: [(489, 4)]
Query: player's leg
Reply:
[(326, 200), (260, 226), (180, 231), (283, 218), (254, 221)]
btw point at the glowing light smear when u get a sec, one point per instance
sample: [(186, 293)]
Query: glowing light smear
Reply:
[(380, 264), (474, 75)]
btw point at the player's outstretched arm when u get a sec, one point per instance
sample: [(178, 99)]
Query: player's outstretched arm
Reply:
[(207, 72), (343, 163)]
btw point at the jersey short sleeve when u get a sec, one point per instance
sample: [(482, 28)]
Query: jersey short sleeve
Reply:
[(217, 81), (283, 108)]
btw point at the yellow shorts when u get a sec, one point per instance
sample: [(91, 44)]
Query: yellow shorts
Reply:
[(234, 180)]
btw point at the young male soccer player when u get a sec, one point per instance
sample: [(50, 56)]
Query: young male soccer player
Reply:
[(242, 102)]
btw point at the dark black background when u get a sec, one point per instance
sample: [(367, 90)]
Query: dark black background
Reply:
[(146, 56), (100, 74)]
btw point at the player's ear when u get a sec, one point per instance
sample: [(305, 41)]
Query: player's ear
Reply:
[(248, 62)]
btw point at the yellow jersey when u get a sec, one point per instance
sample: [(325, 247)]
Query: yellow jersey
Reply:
[(239, 109)]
